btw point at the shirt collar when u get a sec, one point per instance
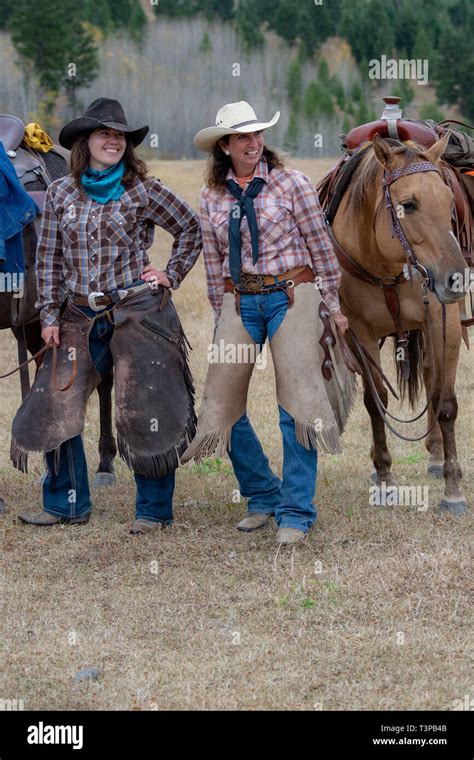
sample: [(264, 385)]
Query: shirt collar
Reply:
[(261, 171)]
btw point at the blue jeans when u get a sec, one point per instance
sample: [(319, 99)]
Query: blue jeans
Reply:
[(67, 493), (291, 498)]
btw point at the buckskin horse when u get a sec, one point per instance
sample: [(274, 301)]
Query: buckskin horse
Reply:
[(390, 220), (36, 170)]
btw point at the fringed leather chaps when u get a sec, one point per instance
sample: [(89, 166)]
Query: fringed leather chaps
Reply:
[(320, 407), (154, 393)]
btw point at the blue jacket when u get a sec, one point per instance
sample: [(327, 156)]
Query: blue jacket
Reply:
[(17, 210)]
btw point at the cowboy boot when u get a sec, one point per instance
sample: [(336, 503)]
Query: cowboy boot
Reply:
[(46, 519), (290, 536), (253, 521), (145, 526)]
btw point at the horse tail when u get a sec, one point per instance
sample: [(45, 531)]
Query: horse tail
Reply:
[(413, 385)]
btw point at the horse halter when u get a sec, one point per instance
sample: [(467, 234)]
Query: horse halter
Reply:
[(388, 179)]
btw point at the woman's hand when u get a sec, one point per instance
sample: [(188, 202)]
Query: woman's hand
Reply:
[(341, 321), (50, 332), (155, 277)]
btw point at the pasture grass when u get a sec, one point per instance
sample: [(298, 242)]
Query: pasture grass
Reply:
[(372, 612)]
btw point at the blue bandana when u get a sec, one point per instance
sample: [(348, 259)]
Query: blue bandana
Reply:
[(105, 185)]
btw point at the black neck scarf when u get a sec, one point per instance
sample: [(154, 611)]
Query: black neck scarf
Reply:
[(243, 207)]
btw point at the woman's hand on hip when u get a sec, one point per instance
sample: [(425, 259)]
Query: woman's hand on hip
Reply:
[(50, 332), (341, 321), (155, 277)]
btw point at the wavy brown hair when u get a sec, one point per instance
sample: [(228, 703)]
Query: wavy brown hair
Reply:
[(80, 158), (219, 164)]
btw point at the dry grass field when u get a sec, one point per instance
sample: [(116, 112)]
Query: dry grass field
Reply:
[(372, 612)]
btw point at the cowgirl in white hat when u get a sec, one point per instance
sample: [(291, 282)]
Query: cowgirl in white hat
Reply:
[(264, 244)]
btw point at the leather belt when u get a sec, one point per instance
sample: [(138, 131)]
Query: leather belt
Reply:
[(254, 283), (98, 300), (286, 282)]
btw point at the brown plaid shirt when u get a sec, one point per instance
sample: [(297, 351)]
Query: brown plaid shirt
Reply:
[(86, 246), (292, 233)]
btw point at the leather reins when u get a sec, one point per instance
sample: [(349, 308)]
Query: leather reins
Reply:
[(40, 353)]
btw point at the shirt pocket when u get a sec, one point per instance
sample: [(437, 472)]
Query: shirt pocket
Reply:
[(220, 224), (69, 228), (275, 222), (119, 228)]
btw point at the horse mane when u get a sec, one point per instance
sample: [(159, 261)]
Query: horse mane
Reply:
[(365, 175)]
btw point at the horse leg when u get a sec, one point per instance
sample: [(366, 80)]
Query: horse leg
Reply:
[(105, 475), (379, 451), (453, 500), (434, 439)]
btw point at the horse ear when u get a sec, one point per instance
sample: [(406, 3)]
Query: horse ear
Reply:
[(434, 153), (383, 151)]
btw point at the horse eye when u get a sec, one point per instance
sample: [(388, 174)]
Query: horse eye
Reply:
[(409, 206)]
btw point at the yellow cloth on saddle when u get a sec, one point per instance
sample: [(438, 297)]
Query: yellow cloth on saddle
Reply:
[(36, 138)]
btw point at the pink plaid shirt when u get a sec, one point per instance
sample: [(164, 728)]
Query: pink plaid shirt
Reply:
[(292, 233)]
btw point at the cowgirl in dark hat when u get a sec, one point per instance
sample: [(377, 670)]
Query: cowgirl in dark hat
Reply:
[(97, 227)]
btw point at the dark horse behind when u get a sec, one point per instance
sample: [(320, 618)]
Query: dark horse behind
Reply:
[(36, 170)]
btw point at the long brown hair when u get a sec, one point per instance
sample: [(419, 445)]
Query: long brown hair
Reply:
[(80, 158), (219, 164)]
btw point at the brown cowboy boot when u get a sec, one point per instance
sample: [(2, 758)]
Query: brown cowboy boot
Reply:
[(290, 536), (46, 519), (253, 521), (145, 526)]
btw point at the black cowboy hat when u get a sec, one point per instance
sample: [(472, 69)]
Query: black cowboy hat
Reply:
[(103, 112)]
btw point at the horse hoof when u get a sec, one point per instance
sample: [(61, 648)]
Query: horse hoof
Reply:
[(105, 479), (435, 470), (3, 508), (42, 478), (374, 476), (456, 507)]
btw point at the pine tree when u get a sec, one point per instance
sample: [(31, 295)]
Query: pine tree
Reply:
[(49, 37), (455, 69)]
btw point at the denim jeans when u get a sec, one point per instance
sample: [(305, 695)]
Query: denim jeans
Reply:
[(67, 493), (291, 498)]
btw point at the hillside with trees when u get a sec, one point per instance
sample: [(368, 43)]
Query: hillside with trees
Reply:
[(172, 63)]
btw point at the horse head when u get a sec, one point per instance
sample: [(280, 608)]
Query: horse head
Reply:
[(418, 223)]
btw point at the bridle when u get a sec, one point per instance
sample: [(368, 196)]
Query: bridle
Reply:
[(389, 286), (388, 179)]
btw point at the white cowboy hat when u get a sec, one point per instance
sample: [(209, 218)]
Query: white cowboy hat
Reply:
[(232, 119)]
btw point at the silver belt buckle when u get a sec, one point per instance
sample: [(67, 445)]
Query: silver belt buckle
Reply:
[(91, 300)]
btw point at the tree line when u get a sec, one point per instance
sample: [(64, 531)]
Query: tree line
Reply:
[(58, 40)]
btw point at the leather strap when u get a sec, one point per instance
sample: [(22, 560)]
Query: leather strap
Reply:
[(83, 300), (23, 362), (108, 298), (288, 284), (354, 268), (55, 362)]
